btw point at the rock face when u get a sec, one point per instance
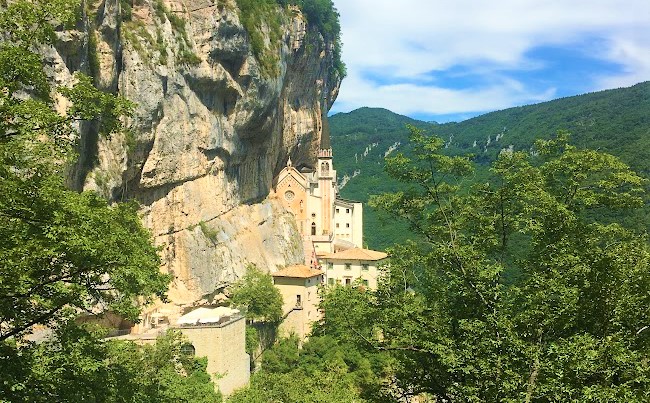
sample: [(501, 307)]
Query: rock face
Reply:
[(211, 129)]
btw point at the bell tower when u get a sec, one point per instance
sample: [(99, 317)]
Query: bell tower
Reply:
[(326, 177)]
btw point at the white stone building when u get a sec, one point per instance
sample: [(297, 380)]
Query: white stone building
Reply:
[(349, 266), (326, 222), (298, 285), (220, 335)]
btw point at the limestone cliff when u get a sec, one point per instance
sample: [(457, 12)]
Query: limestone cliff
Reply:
[(213, 126)]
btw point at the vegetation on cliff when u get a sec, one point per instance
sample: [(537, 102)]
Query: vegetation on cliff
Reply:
[(263, 16)]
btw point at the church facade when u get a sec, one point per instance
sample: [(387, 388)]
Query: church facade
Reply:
[(326, 222)]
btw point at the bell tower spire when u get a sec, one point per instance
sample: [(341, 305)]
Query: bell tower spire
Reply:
[(326, 177)]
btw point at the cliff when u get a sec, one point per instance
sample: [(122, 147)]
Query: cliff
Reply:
[(217, 115)]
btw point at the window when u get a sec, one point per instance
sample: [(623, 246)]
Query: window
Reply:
[(330, 266), (364, 267), (337, 225), (330, 281), (348, 266), (364, 282), (313, 228), (299, 301), (188, 350), (347, 210), (347, 225), (337, 211), (308, 296), (348, 281)]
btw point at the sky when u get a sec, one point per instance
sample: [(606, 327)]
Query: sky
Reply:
[(450, 60)]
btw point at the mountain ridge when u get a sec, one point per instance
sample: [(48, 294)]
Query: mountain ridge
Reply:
[(615, 121)]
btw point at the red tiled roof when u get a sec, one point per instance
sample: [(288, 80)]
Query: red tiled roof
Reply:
[(297, 271)]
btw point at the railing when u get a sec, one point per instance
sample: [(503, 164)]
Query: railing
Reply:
[(223, 321), (118, 332)]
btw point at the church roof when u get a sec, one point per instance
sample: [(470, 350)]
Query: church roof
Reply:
[(348, 202), (297, 271), (357, 254)]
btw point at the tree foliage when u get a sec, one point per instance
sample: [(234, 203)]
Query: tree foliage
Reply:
[(614, 121), (257, 295), (324, 371), (77, 366), (517, 291), (60, 250)]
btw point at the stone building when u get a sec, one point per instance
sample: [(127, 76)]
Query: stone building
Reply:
[(326, 222), (299, 288), (347, 266), (220, 335)]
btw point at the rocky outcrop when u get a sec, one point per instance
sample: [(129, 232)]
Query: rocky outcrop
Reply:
[(210, 131)]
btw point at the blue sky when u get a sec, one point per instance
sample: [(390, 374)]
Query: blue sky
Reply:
[(449, 60)]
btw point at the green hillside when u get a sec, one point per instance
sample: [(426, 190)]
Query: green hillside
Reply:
[(616, 121)]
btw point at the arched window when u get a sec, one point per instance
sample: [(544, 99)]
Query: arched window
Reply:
[(188, 350), (324, 168), (313, 228)]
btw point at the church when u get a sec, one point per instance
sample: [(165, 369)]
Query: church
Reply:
[(332, 233), (326, 222)]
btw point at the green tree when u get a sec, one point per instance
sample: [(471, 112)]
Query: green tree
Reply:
[(324, 370), (75, 365), (60, 251), (515, 291), (256, 293)]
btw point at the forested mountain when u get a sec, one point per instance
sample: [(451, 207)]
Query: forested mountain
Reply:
[(615, 121)]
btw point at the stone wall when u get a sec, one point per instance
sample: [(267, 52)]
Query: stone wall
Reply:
[(225, 348)]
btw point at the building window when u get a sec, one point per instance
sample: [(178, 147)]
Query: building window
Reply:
[(299, 301), (313, 228), (348, 281), (364, 267), (330, 281), (330, 266), (309, 296), (347, 225), (289, 195), (337, 225), (364, 282), (188, 350), (348, 266), (347, 210), (337, 211)]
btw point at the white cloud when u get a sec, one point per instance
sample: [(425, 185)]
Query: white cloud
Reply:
[(400, 42), (411, 99)]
